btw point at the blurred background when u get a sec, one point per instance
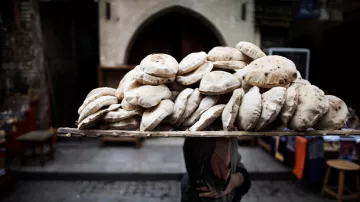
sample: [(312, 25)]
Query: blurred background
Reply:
[(53, 52)]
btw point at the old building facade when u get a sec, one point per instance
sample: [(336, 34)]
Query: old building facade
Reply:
[(122, 21)]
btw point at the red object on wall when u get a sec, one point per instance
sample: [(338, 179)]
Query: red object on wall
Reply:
[(300, 155)]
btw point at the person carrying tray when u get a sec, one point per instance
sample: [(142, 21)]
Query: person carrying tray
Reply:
[(214, 171)]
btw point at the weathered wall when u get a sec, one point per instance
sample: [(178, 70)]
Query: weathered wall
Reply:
[(23, 61), (128, 15)]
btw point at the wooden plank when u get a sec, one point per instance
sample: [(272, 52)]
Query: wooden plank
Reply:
[(124, 133)]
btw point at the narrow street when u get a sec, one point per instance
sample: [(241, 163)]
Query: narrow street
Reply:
[(165, 191)]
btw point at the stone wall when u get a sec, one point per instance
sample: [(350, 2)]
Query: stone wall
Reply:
[(127, 16), (23, 61)]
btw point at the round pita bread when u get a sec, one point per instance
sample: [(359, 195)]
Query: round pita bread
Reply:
[(191, 62), (271, 103), (147, 96), (204, 105), (231, 110), (160, 65), (127, 106), (229, 64), (195, 76), (326, 106), (207, 118), (250, 109), (132, 123), (179, 105), (148, 79), (153, 116), (119, 93), (93, 119), (250, 50), (300, 80), (240, 74), (191, 104), (218, 82), (96, 105), (96, 94), (271, 71), (98, 90), (223, 53), (291, 102), (130, 84), (310, 107), (121, 114), (336, 116)]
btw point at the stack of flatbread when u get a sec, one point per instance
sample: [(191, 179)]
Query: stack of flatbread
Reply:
[(240, 86)]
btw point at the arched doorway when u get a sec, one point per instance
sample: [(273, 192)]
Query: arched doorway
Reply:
[(177, 31)]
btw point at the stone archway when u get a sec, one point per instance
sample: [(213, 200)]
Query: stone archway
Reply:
[(175, 30), (120, 27)]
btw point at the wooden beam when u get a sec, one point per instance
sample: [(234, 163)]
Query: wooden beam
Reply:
[(68, 132)]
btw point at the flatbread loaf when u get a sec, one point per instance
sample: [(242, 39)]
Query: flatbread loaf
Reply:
[(327, 106), (127, 106), (191, 62), (195, 76), (310, 108), (291, 102), (271, 103), (96, 94), (207, 118), (223, 53), (98, 90), (160, 65), (204, 105), (300, 80), (180, 105), (132, 123), (121, 114), (250, 109), (271, 71), (95, 117), (153, 116), (218, 82), (231, 110), (119, 93), (147, 96), (250, 50), (148, 79), (240, 74), (191, 104), (336, 116), (96, 105), (229, 64)]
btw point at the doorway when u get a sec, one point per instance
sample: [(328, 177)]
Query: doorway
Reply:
[(70, 34), (176, 31)]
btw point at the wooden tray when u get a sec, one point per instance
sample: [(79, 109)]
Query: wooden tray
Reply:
[(68, 132)]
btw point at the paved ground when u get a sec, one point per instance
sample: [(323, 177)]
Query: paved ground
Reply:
[(166, 191), (158, 155)]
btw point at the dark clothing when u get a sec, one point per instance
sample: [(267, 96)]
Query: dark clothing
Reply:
[(197, 154)]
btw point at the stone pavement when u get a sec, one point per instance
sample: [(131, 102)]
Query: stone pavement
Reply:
[(142, 191), (158, 156)]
